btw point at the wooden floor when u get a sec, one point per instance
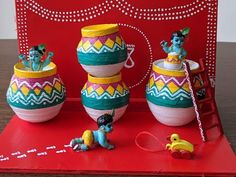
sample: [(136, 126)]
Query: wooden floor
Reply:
[(225, 87)]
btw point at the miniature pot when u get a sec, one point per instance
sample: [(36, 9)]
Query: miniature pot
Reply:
[(168, 94), (102, 52), (172, 62), (102, 95), (36, 96)]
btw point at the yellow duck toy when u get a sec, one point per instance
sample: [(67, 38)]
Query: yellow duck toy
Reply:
[(180, 148)]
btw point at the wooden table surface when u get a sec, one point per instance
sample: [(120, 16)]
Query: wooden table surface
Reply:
[(225, 87)]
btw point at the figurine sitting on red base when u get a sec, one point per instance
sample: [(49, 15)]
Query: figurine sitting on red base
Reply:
[(89, 137)]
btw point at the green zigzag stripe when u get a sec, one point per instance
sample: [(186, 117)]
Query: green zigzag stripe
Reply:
[(57, 96), (154, 89), (102, 58), (105, 94), (104, 104), (41, 92), (185, 103), (36, 106), (180, 101)]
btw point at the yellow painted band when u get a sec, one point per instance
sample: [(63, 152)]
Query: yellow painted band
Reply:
[(104, 80), (173, 57), (174, 73), (99, 30), (19, 72)]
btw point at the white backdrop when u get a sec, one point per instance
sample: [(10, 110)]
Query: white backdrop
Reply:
[(226, 20)]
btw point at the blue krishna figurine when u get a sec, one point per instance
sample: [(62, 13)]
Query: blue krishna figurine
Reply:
[(35, 62), (176, 52), (90, 138)]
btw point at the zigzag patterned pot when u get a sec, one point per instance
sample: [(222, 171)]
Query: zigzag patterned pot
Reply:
[(168, 95), (102, 52), (102, 95), (36, 96)]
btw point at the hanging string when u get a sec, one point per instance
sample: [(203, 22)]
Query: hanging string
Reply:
[(187, 69)]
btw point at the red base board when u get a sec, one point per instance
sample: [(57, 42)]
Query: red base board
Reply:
[(20, 139)]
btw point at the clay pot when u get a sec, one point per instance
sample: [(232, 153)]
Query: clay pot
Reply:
[(102, 51), (172, 62), (168, 94), (36, 96), (102, 95)]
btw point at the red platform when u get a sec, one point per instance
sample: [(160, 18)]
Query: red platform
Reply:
[(50, 137), (39, 148)]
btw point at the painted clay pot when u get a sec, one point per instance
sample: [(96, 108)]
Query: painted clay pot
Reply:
[(36, 96), (102, 95), (102, 52), (168, 94)]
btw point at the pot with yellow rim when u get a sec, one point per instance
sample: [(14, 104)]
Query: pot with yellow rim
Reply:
[(36, 96), (103, 95), (168, 94), (102, 51)]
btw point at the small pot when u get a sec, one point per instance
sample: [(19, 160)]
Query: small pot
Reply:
[(36, 96), (172, 62), (102, 51), (102, 95), (168, 94)]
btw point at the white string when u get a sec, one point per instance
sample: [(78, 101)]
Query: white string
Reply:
[(186, 69)]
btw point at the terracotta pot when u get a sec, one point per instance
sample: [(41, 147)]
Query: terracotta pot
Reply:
[(102, 95), (168, 94), (36, 96), (102, 52)]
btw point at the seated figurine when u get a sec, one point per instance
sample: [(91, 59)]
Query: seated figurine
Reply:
[(176, 52), (35, 62), (90, 138)]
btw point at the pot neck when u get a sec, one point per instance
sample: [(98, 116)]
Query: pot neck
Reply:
[(104, 80)]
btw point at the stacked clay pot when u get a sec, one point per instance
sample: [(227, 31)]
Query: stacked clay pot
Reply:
[(102, 95), (36, 96), (168, 94), (102, 53)]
